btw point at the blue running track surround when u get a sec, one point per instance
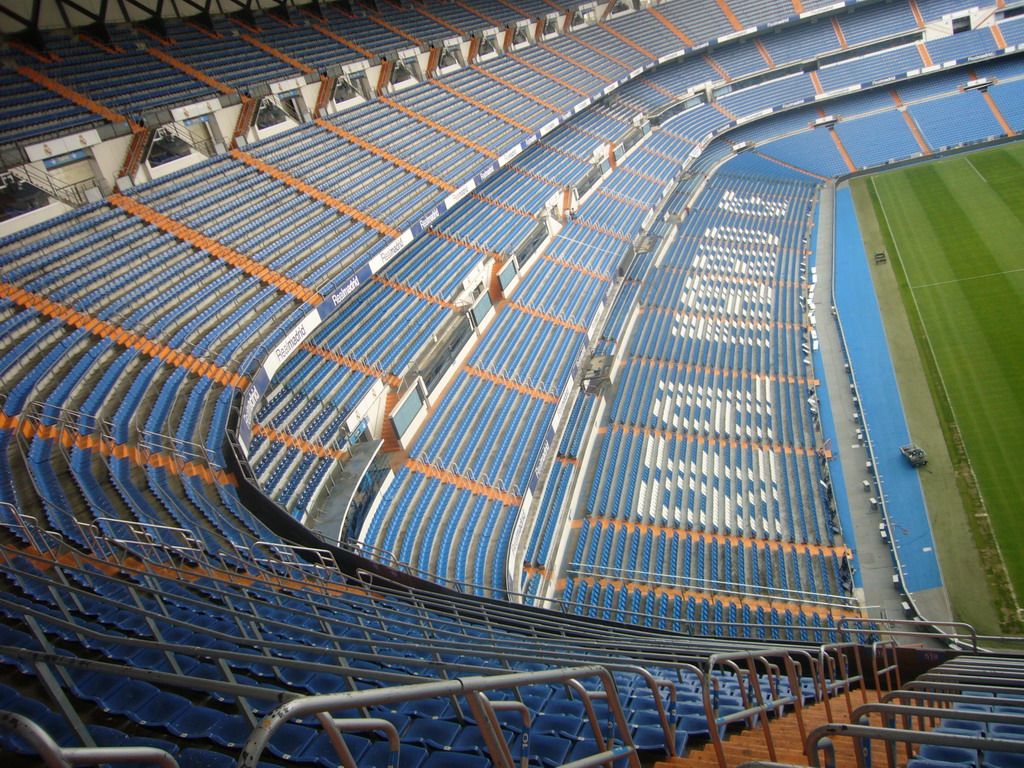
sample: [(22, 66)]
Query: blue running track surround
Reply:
[(880, 402)]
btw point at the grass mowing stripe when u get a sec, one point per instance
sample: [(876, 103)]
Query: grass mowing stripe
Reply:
[(1005, 173), (977, 587), (951, 222)]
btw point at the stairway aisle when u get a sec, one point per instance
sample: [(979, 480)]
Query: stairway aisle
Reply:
[(748, 745)]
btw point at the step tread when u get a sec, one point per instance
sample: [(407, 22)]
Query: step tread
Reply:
[(746, 745)]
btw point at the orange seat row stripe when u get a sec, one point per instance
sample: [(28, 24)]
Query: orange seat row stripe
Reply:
[(599, 52), (603, 230), (460, 481), (764, 53), (402, 33), (548, 75), (188, 69), (494, 378), (1007, 128), (504, 206), (214, 248), (440, 128), (299, 443), (121, 336), (722, 538), (736, 24), (277, 54), (315, 193), (742, 322), (521, 91), (842, 150), (545, 316), (725, 599), (437, 19), (70, 438), (658, 88), (626, 40), (718, 68), (354, 364), (339, 39), (74, 96), (463, 242), (414, 292), (731, 278), (576, 267), (483, 107), (740, 372), (626, 200), (575, 63), (671, 27), (720, 441), (476, 12), (389, 156)]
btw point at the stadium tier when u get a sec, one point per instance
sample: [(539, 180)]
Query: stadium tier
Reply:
[(438, 383)]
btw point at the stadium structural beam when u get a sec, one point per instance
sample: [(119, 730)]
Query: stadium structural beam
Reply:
[(243, 13), (153, 22), (97, 15), (203, 18), (97, 27), (279, 10), (30, 36)]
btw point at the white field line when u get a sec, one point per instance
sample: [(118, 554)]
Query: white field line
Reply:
[(962, 279), (975, 168)]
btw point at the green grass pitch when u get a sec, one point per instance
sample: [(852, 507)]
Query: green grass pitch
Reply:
[(956, 226)]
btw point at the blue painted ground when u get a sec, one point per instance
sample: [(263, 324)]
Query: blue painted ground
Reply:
[(881, 407), (828, 429)]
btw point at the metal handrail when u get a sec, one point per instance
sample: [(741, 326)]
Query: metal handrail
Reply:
[(846, 624), (890, 668), (478, 617), (908, 711), (227, 655), (949, 698), (143, 535), (28, 525), (820, 739), (759, 708), (173, 679), (466, 646), (655, 685), (56, 756), (361, 548), (700, 647), (472, 688), (996, 678), (564, 606), (764, 655), (371, 654), (931, 686), (282, 662), (480, 611), (945, 700), (288, 554), (845, 682), (789, 596)]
